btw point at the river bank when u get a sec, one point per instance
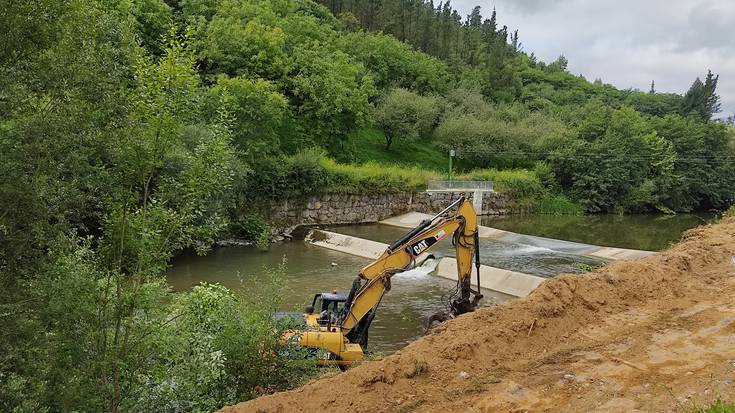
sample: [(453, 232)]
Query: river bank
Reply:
[(648, 335)]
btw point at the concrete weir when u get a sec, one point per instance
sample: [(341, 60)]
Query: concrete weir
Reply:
[(412, 219), (494, 279)]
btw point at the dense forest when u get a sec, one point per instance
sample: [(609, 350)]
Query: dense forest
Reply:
[(133, 130)]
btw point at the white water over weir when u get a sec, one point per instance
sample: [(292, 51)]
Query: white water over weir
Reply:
[(493, 279), (421, 271)]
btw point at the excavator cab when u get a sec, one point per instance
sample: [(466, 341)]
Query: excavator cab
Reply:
[(325, 309)]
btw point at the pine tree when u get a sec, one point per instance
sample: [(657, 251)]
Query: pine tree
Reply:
[(515, 44), (711, 99), (701, 97), (653, 87)]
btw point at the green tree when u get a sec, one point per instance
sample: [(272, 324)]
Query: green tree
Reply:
[(701, 98), (243, 38), (621, 169), (406, 115), (395, 64), (330, 94), (260, 112)]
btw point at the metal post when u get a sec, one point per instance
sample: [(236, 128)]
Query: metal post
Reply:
[(451, 155)]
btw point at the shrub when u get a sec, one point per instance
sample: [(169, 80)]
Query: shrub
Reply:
[(216, 349), (254, 228), (558, 205), (519, 183), (407, 115)]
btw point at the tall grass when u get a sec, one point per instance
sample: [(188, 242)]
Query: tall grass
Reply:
[(717, 407), (369, 145), (374, 177), (558, 205), (520, 183), (730, 213)]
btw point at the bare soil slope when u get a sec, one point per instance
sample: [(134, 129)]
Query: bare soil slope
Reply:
[(651, 335)]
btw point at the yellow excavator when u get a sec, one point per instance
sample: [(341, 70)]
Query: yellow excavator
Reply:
[(338, 323)]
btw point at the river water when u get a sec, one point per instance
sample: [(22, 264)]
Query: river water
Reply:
[(643, 232), (417, 295)]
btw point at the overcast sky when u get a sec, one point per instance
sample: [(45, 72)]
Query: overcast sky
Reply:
[(628, 43)]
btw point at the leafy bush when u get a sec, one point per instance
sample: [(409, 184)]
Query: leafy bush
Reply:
[(730, 213), (218, 349), (395, 64), (258, 109), (406, 115), (487, 135), (558, 205), (253, 227), (520, 183), (195, 351)]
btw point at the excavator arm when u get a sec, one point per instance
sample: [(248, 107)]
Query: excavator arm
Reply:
[(373, 280)]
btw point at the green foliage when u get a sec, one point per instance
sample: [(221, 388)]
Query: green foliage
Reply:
[(535, 188), (259, 110), (584, 267), (520, 183), (703, 152), (142, 140), (204, 349), (219, 350), (620, 162), (486, 135), (373, 177), (311, 172), (406, 115), (287, 177), (253, 227), (330, 94), (701, 98), (395, 64), (557, 205), (153, 20), (718, 406), (730, 213), (243, 38), (293, 44), (369, 145)]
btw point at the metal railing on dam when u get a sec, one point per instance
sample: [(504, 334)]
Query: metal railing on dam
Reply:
[(460, 186)]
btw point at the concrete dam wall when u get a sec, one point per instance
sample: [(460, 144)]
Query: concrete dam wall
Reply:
[(328, 209)]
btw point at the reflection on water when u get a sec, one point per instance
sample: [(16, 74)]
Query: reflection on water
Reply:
[(643, 232)]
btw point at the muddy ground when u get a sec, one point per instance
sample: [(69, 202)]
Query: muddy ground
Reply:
[(652, 335)]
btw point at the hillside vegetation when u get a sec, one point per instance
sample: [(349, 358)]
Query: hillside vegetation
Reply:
[(132, 130)]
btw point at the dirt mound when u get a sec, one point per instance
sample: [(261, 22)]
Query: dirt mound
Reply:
[(647, 335)]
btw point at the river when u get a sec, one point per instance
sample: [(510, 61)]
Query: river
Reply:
[(416, 296)]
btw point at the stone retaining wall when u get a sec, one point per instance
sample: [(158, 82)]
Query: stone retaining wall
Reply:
[(361, 208)]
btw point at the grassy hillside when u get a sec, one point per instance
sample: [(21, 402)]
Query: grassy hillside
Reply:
[(369, 145)]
